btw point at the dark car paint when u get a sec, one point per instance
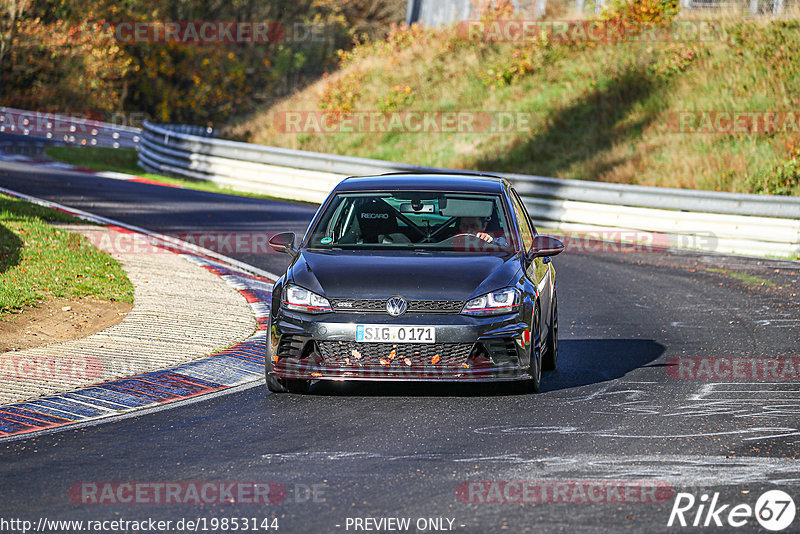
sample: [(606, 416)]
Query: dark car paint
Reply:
[(372, 274), (539, 270), (449, 276), (423, 182)]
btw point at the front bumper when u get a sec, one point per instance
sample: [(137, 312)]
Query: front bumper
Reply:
[(466, 349)]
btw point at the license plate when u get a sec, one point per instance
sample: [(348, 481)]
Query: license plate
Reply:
[(378, 333)]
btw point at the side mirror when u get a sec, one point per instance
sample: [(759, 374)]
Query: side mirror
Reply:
[(546, 246), (283, 243)]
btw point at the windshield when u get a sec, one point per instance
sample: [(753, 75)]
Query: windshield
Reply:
[(414, 219)]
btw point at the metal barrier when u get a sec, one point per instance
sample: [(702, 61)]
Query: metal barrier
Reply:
[(758, 225), (442, 12), (72, 129)]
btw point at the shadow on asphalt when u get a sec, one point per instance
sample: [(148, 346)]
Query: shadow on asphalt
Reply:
[(581, 362)]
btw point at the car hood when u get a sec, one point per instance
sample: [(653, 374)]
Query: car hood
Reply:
[(433, 276)]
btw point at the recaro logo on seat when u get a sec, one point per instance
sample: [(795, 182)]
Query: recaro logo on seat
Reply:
[(374, 215)]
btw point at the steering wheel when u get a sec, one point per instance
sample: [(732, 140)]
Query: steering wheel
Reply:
[(474, 236), (474, 241)]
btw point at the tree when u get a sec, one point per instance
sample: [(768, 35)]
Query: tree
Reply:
[(11, 11)]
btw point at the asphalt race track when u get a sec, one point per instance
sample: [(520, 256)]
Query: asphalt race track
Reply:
[(614, 411)]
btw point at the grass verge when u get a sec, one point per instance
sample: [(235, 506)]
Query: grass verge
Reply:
[(745, 278), (126, 161), (603, 111), (39, 261)]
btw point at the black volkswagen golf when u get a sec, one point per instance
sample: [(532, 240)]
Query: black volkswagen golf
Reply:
[(432, 277)]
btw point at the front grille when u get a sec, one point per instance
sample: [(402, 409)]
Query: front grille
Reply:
[(435, 306), (402, 355), (379, 306)]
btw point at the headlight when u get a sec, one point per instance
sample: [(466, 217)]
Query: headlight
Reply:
[(299, 299), (494, 303)]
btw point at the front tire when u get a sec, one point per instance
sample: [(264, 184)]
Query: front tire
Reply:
[(551, 354), (533, 384), (281, 385)]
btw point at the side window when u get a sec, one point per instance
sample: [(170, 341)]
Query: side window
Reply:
[(522, 218), (527, 215)]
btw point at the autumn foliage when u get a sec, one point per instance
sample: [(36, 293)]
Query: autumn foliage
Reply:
[(64, 55)]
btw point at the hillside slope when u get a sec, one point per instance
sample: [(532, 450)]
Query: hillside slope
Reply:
[(641, 111)]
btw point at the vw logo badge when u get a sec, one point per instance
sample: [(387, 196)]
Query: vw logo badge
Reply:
[(396, 306)]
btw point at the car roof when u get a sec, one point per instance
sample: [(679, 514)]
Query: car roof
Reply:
[(446, 182)]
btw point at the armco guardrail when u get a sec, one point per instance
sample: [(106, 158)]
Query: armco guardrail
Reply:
[(723, 222), (71, 129)]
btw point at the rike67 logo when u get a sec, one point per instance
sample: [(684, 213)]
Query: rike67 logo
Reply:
[(774, 510)]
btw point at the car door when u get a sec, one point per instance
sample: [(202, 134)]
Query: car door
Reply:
[(537, 270)]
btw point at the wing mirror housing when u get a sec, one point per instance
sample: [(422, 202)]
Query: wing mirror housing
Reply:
[(545, 246), (283, 243)]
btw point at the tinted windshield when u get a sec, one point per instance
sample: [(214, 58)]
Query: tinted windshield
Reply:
[(414, 219)]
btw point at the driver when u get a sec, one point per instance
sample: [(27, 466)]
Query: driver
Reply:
[(475, 226)]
